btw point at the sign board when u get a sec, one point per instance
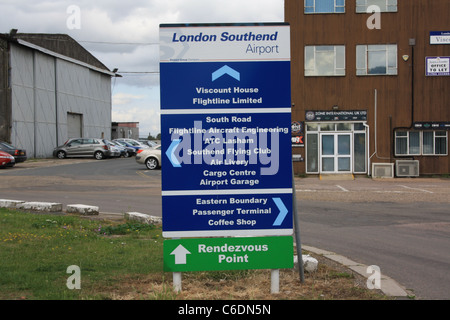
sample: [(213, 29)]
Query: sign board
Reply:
[(298, 140), (345, 115), (297, 127), (432, 125), (438, 66), (440, 37), (226, 130), (206, 254)]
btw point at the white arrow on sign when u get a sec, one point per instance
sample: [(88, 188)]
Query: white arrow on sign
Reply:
[(180, 254)]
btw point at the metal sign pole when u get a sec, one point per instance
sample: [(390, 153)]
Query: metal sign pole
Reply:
[(275, 281), (297, 230), (176, 276), (177, 282)]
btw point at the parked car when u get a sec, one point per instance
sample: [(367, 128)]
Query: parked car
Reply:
[(83, 147), (129, 150), (6, 160), (136, 147), (134, 143), (20, 155), (149, 143), (115, 150), (150, 157)]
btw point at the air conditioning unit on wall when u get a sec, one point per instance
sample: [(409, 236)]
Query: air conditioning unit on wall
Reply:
[(407, 168), (382, 170)]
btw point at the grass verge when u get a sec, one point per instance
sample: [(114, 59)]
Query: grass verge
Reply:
[(124, 261)]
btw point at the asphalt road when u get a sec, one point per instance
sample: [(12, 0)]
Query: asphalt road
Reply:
[(400, 225), (115, 185)]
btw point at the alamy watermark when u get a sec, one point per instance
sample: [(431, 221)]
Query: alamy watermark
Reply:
[(241, 146), (374, 280), (74, 19), (74, 281), (374, 21)]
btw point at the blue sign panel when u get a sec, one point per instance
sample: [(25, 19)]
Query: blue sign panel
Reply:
[(229, 214), (226, 130), (225, 85), (226, 151)]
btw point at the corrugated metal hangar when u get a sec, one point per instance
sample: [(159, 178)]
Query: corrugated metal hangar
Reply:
[(51, 89)]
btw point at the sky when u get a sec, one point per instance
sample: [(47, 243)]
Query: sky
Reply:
[(125, 35)]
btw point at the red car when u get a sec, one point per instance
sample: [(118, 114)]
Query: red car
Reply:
[(20, 155), (6, 160)]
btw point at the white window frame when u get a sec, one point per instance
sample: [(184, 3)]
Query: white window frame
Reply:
[(316, 129), (314, 72), (388, 49), (314, 8), (362, 5), (436, 135)]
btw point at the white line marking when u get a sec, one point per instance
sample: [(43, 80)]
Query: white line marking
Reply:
[(342, 188), (423, 190)]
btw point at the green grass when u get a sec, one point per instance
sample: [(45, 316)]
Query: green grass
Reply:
[(124, 260), (37, 249)]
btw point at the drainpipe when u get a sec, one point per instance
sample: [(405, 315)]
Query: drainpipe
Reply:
[(56, 100), (368, 148), (34, 104), (376, 117), (376, 130), (412, 43)]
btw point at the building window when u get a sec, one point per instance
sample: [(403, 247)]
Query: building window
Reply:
[(427, 143), (324, 60), (384, 5), (376, 59), (434, 142), (324, 6)]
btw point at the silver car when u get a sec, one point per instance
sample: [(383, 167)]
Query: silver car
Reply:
[(83, 147), (151, 157)]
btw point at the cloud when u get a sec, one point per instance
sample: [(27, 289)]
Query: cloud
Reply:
[(125, 35), (133, 104), (148, 118), (125, 98)]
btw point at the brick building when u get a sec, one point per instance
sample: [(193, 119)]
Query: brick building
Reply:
[(370, 85)]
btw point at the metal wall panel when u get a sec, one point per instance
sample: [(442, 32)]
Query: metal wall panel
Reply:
[(85, 92), (22, 99), (45, 105), (44, 90)]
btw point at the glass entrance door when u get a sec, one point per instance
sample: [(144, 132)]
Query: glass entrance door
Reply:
[(336, 153)]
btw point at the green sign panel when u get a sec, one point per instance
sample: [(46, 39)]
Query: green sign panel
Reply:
[(228, 254)]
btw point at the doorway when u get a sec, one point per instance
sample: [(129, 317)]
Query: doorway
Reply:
[(74, 125), (340, 147), (336, 153)]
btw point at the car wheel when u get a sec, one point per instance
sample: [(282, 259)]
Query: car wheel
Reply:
[(151, 163), (61, 154), (99, 155), (127, 154)]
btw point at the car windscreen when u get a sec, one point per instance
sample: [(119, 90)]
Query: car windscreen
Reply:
[(6, 145)]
